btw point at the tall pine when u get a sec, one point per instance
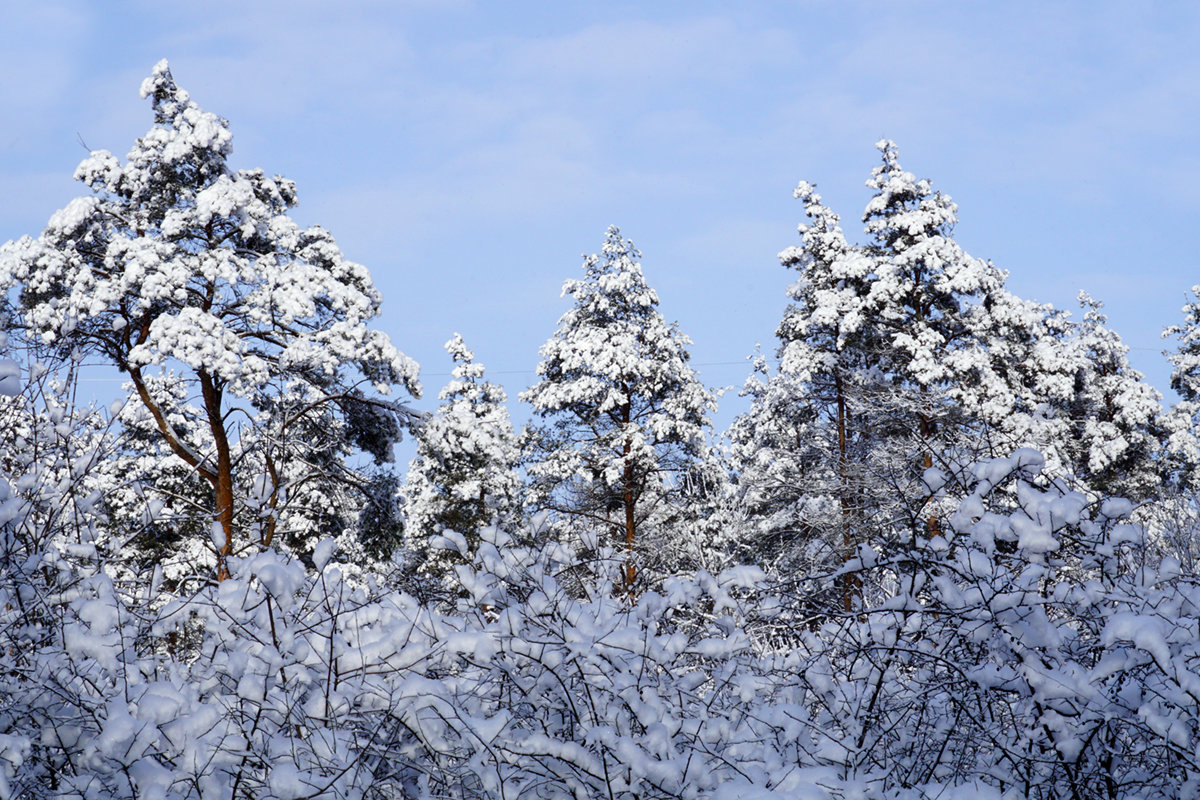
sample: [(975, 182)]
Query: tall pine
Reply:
[(175, 266), (925, 291), (623, 412), (901, 361), (799, 450)]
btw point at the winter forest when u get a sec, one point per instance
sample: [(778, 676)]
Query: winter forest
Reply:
[(951, 550)]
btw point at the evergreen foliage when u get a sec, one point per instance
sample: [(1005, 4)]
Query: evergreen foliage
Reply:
[(904, 359), (1183, 443), (464, 477), (1115, 435)]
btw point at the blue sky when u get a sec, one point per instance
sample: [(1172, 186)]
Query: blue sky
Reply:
[(469, 153)]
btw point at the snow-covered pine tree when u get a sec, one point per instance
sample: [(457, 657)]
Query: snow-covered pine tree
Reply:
[(464, 476), (176, 260), (926, 288), (1185, 377), (624, 412), (897, 357), (776, 460), (1115, 437), (932, 302), (706, 532), (1064, 386), (1182, 421), (1025, 370), (798, 451)]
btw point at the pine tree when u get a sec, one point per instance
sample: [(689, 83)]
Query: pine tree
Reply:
[(798, 449), (1185, 378), (926, 290), (1115, 433), (1015, 372), (464, 476), (624, 411), (1025, 372), (901, 361), (964, 359), (178, 261), (1182, 422)]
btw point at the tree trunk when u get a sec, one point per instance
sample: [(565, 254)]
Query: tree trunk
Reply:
[(221, 478), (629, 501), (933, 525), (630, 529), (223, 485)]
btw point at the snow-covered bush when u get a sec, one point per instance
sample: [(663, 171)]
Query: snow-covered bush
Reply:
[(1023, 652), (1025, 648)]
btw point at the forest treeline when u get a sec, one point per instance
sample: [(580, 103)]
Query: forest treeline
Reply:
[(950, 550)]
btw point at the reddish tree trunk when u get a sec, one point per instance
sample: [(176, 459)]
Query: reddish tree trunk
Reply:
[(223, 485)]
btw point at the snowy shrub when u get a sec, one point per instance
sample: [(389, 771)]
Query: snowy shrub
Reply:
[(588, 695), (298, 686), (1024, 649), (1022, 652)]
